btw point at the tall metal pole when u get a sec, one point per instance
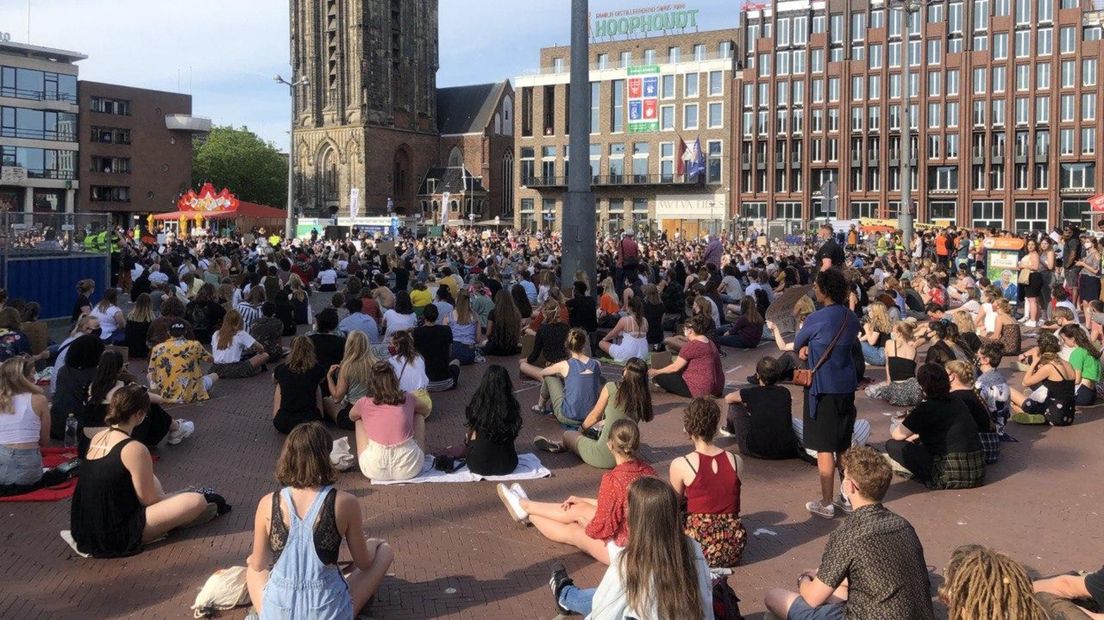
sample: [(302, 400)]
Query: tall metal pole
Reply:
[(904, 216), (289, 225), (579, 212)]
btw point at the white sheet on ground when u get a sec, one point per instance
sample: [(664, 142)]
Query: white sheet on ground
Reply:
[(529, 468)]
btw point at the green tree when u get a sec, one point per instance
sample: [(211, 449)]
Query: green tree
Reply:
[(238, 159)]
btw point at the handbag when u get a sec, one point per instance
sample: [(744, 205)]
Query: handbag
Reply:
[(803, 377), (1025, 276)]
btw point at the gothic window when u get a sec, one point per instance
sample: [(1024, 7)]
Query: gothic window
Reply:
[(455, 158), (508, 116), (329, 175)]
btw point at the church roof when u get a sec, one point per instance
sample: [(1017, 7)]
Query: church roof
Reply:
[(467, 109), (448, 179)]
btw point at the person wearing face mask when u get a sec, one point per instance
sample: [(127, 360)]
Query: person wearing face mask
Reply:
[(873, 565)]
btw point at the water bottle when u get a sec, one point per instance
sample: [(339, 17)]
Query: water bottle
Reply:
[(72, 427)]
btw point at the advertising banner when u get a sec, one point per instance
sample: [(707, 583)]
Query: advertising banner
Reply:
[(644, 99)]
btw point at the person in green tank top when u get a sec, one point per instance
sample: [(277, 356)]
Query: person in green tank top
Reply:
[(630, 399), (1085, 360)]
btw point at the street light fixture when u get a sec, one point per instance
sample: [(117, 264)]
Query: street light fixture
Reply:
[(289, 224), (904, 168)]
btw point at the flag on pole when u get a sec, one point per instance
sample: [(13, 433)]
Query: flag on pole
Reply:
[(680, 157), (694, 158)]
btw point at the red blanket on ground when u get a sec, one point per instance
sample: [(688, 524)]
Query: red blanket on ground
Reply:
[(51, 457)]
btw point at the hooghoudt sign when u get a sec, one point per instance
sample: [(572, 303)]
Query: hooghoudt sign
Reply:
[(643, 20)]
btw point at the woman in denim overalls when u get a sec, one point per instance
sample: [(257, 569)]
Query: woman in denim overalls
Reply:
[(305, 580)]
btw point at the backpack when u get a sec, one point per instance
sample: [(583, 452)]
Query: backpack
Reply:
[(726, 605)]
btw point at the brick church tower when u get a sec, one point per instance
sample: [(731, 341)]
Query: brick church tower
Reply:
[(367, 119)]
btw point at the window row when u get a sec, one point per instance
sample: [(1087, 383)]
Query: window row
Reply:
[(37, 85), (41, 163), (37, 124)]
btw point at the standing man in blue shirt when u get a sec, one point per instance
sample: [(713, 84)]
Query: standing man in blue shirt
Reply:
[(829, 410)]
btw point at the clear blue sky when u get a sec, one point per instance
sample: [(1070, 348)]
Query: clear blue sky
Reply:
[(225, 52)]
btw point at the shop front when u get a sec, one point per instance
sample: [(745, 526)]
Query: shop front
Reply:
[(691, 216)]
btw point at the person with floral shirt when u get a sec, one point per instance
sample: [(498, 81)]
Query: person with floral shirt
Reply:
[(175, 368)]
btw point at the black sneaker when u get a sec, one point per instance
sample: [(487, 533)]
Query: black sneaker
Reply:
[(557, 583), (547, 445)]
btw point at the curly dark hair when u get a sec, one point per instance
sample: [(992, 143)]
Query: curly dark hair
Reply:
[(833, 284), (700, 418), (494, 413)]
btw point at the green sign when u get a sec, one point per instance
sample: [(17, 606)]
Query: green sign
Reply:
[(643, 20), (643, 127), (436, 231), (643, 70)]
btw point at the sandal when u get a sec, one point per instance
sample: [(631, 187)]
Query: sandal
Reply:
[(547, 445)]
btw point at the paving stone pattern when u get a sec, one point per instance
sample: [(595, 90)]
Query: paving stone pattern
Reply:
[(460, 556)]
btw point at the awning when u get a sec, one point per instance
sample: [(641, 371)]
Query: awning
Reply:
[(244, 210)]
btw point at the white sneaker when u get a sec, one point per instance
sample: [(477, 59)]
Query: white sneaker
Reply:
[(184, 430), (512, 502), (1029, 324), (520, 492), (821, 510)]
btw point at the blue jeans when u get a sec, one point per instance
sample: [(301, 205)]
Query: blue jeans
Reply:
[(873, 355), (577, 599), (800, 610), (20, 466), (464, 353)]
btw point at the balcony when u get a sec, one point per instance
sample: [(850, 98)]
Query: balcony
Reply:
[(38, 134), (997, 156), (872, 158), (187, 122), (37, 95), (1042, 154)]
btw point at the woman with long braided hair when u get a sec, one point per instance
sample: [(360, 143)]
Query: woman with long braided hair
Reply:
[(980, 583)]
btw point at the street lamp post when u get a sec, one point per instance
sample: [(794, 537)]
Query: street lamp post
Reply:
[(904, 168), (289, 224)]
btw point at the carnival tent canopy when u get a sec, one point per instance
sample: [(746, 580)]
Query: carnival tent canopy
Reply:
[(243, 209)]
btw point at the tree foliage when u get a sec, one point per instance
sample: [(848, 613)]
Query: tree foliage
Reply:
[(239, 160)]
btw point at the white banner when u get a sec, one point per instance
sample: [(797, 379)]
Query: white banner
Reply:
[(445, 208), (354, 202)]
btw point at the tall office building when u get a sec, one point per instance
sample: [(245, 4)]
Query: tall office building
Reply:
[(660, 135), (1002, 98), (38, 128)]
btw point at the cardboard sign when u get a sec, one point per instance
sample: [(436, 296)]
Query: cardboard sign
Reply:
[(386, 247)]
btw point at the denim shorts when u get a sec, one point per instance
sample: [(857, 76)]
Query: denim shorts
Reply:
[(21, 466), (800, 610)]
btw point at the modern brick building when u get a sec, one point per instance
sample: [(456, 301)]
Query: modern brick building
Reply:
[(1004, 103), (135, 149), (38, 128), (652, 101)]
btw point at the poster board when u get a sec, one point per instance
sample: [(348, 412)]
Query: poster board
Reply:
[(386, 247), (1001, 269)]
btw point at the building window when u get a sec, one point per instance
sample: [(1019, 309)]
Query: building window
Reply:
[(1078, 177), (616, 162), (617, 106), (1067, 39), (941, 210), (1077, 211), (716, 115), (988, 214), (690, 116), (641, 151), (102, 193), (943, 178), (716, 83), (667, 118), (104, 105), (713, 167), (1088, 141), (108, 135), (46, 125), (690, 83), (860, 209), (527, 112), (667, 161), (667, 87), (1031, 215), (110, 165)]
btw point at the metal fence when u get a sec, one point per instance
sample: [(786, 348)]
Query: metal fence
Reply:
[(52, 233), (43, 255)]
